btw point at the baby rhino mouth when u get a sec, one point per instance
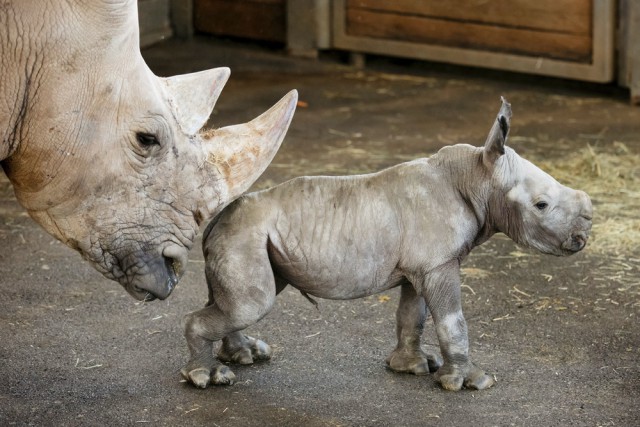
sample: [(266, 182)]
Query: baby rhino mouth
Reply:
[(576, 242)]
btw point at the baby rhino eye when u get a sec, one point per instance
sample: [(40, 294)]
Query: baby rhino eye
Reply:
[(541, 205)]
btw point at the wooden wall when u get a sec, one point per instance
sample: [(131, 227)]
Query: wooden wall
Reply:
[(155, 25), (558, 29), (252, 19)]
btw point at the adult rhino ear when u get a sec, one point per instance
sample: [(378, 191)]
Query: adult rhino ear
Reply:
[(494, 145), (194, 95)]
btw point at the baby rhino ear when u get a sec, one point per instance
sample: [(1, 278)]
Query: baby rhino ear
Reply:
[(494, 145)]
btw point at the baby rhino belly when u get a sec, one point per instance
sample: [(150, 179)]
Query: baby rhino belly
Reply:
[(336, 266)]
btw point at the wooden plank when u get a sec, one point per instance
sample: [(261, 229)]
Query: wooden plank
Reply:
[(181, 12), (153, 18), (601, 69), (633, 51), (623, 42), (301, 28), (414, 29), (562, 16), (254, 19), (273, 2)]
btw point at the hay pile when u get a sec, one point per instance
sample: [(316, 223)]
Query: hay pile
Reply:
[(611, 177)]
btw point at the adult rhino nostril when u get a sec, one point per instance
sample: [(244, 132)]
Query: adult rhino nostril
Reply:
[(173, 272), (163, 275), (175, 261)]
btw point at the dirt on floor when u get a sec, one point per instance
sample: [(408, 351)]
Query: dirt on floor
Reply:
[(561, 335)]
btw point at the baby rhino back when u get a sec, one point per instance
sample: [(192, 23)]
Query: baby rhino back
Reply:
[(332, 237), (342, 237)]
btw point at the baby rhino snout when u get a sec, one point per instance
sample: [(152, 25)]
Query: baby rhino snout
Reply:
[(578, 238)]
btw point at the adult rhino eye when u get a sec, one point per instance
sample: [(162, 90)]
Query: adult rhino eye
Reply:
[(147, 140), (541, 205)]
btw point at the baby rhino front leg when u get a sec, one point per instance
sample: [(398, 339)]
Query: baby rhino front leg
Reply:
[(236, 347), (202, 367), (457, 370), (442, 294), (238, 297)]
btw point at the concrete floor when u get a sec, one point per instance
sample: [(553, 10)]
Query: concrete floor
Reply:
[(560, 335)]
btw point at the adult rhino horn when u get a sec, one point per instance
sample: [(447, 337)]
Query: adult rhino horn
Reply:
[(194, 95), (242, 152), (494, 145)]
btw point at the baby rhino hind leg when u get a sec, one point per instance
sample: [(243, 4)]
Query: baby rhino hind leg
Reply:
[(408, 356), (241, 291), (243, 349)]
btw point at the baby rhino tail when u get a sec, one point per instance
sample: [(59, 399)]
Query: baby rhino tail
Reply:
[(311, 300)]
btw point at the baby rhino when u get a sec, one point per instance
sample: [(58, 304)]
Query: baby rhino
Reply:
[(349, 237)]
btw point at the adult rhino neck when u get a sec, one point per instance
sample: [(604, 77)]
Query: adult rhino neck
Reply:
[(56, 57), (466, 172), (22, 60), (44, 43)]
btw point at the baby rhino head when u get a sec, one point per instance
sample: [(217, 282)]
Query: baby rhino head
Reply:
[(530, 206), (546, 215)]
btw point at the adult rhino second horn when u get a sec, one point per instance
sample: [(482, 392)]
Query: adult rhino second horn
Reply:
[(242, 152), (193, 105)]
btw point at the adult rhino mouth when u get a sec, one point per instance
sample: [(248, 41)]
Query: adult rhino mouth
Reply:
[(164, 290), (161, 278)]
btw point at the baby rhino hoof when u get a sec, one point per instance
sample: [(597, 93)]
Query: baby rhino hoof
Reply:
[(454, 379), (418, 363), (243, 350), (201, 377)]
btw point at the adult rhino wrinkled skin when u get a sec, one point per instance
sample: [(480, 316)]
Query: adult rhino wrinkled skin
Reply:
[(352, 236), (109, 158)]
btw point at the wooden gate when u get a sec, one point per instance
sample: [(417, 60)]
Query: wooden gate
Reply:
[(563, 38)]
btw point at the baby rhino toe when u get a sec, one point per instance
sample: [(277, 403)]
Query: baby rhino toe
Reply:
[(243, 350), (478, 380), (414, 362), (223, 376), (453, 378), (201, 377), (451, 382)]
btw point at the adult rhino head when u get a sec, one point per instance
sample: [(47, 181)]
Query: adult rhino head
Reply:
[(106, 156)]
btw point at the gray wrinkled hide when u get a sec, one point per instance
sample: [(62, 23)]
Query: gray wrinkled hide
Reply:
[(107, 157), (348, 237)]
